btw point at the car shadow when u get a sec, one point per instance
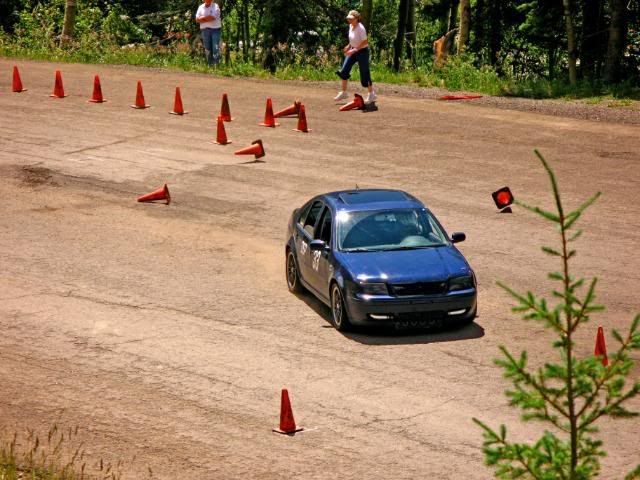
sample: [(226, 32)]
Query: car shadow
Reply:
[(390, 336)]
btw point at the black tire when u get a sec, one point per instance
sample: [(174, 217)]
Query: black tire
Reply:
[(293, 274), (339, 314)]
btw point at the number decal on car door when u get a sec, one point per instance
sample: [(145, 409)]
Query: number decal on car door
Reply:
[(303, 247), (316, 260)]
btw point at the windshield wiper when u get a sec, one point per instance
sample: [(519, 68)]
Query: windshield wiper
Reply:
[(415, 247), (361, 249)]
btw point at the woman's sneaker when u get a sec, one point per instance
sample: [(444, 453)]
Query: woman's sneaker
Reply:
[(340, 96), (371, 97)]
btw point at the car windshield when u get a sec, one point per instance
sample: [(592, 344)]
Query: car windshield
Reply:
[(384, 230)]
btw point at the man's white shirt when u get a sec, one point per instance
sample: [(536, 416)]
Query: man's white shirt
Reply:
[(211, 10)]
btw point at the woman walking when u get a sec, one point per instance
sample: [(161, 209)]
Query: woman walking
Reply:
[(357, 50)]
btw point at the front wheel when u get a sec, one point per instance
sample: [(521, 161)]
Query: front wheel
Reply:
[(293, 277), (339, 313)]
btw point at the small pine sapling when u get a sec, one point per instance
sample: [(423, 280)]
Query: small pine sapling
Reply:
[(572, 394)]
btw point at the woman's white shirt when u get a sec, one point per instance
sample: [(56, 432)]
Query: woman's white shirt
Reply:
[(357, 35), (204, 11)]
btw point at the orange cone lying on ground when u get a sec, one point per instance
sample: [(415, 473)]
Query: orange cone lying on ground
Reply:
[(460, 97), (287, 422), (292, 110), (161, 194), (97, 91), (224, 110), (601, 348), (269, 119), (255, 149), (221, 136), (17, 82), (356, 104), (140, 103), (58, 89), (178, 109), (302, 121)]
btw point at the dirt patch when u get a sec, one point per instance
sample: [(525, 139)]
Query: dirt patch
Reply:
[(32, 176)]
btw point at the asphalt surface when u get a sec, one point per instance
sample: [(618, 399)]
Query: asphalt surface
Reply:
[(167, 332)]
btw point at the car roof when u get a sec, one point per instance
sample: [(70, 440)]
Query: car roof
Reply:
[(370, 199)]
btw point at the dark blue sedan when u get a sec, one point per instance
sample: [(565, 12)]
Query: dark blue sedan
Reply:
[(379, 257)]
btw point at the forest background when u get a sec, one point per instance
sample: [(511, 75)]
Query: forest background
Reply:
[(533, 48)]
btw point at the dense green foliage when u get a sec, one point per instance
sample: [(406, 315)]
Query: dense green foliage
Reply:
[(569, 396), (520, 44)]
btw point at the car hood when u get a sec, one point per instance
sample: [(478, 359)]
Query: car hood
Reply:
[(405, 266)]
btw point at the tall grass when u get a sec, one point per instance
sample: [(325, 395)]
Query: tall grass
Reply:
[(58, 457)]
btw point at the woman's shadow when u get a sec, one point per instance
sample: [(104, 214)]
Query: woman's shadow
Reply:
[(391, 336)]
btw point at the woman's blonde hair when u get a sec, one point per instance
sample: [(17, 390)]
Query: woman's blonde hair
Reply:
[(354, 14)]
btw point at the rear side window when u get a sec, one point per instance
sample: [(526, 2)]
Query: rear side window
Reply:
[(303, 215), (323, 232), (312, 217)]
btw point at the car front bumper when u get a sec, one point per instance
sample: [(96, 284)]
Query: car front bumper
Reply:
[(428, 311)]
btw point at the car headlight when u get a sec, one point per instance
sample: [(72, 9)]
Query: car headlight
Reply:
[(460, 283), (374, 289)]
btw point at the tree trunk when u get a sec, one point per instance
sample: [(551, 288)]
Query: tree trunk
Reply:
[(617, 40), (367, 12), (245, 32), (495, 32), (402, 28), (411, 31), (257, 37), (465, 23), (453, 15), (571, 40), (552, 63), (592, 39), (69, 21), (478, 22)]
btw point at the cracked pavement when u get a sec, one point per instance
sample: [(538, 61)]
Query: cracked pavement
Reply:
[(167, 332)]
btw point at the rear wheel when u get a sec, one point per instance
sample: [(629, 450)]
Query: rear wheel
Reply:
[(293, 277), (338, 311)]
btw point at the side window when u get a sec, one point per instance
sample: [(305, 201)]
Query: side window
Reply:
[(312, 217), (303, 215), (323, 232)]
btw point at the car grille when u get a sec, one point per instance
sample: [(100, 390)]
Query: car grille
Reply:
[(415, 289)]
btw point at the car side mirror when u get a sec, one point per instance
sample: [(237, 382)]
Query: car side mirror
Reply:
[(317, 245), (458, 237)]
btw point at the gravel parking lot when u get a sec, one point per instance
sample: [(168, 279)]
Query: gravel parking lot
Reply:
[(167, 332)]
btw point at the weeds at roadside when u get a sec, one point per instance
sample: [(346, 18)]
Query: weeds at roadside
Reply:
[(59, 456)]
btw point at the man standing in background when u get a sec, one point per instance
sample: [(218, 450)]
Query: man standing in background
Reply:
[(208, 16)]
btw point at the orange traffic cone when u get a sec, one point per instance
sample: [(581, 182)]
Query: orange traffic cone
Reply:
[(460, 97), (17, 82), (97, 91), (302, 121), (601, 348), (221, 136), (139, 98), (177, 104), (287, 422), (356, 104), (161, 194), (224, 110), (256, 149), (58, 89), (269, 120), (292, 110)]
